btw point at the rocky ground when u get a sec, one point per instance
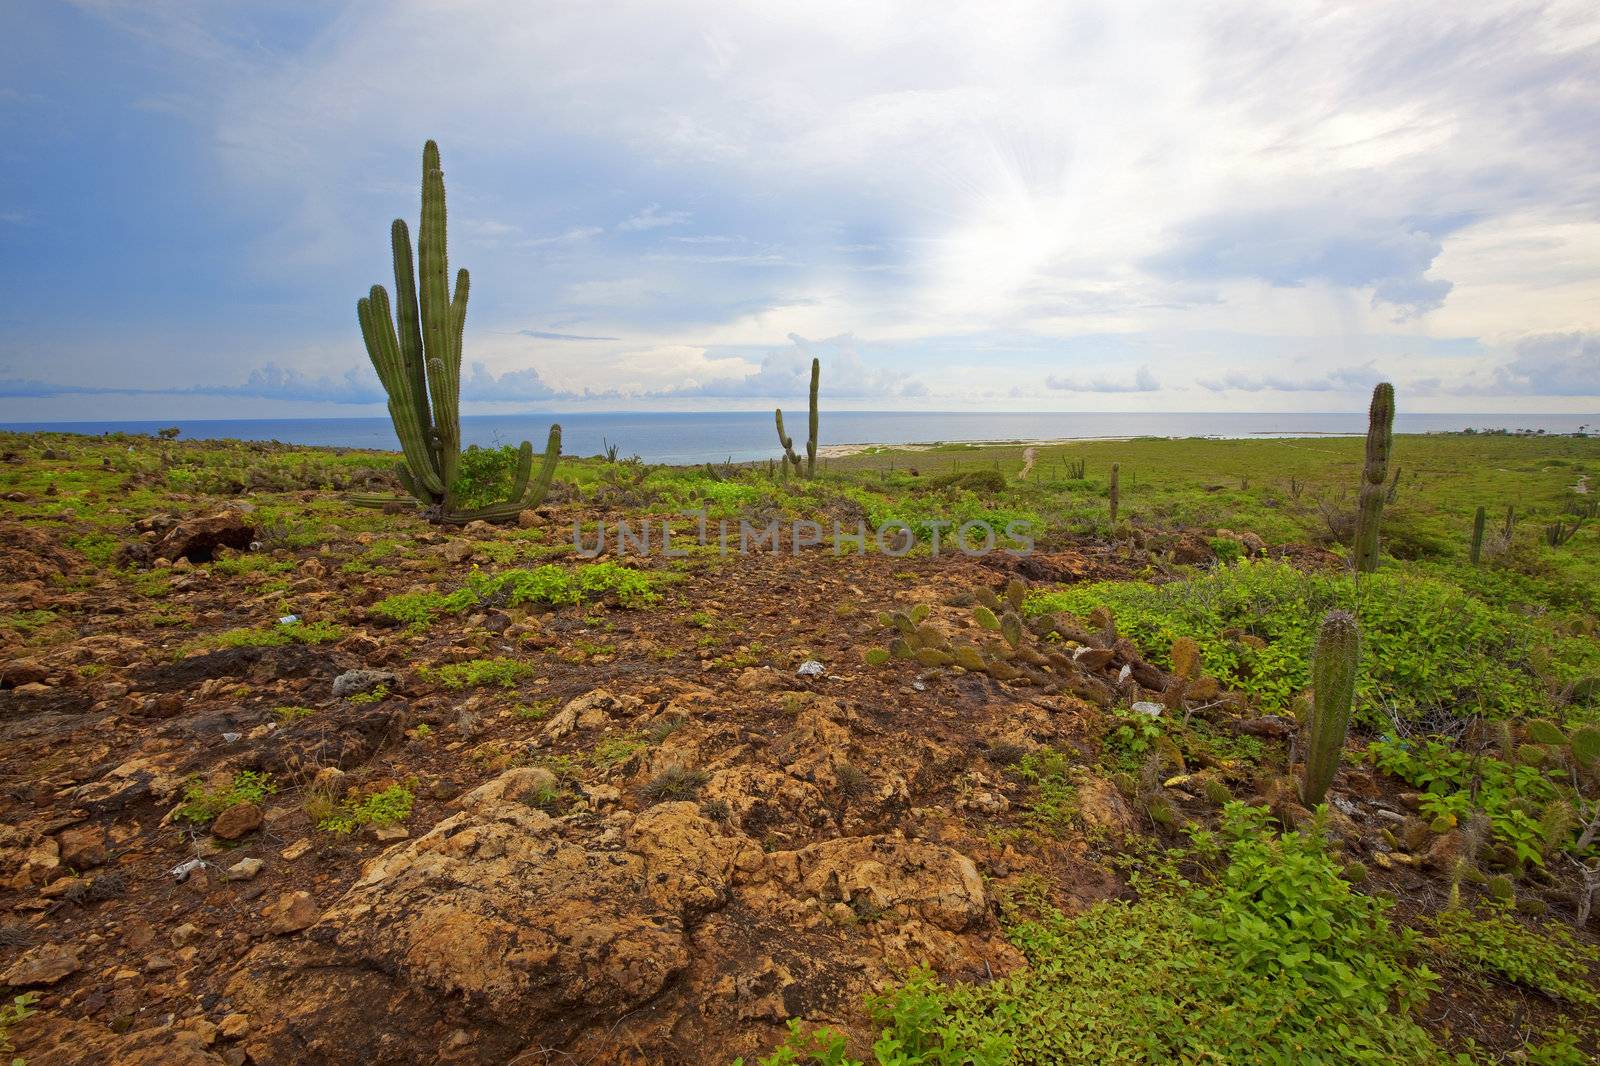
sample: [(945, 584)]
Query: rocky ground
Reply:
[(689, 822)]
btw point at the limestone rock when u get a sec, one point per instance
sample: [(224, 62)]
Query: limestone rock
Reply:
[(518, 919), (1102, 807), (46, 964), (237, 822), (934, 882)]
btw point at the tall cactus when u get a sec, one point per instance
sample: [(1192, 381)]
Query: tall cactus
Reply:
[(1477, 535), (789, 454), (420, 368), (1333, 688), (1380, 438), (1115, 494)]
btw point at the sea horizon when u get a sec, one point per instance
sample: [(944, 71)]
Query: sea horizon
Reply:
[(744, 436)]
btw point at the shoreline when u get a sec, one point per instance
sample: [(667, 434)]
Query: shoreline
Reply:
[(841, 451)]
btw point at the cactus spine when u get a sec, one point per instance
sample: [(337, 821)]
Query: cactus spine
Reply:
[(1333, 681), (1116, 469), (1380, 438), (789, 454), (420, 368), (1477, 535)]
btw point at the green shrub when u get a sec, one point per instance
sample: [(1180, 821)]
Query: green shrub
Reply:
[(1495, 944), (1457, 782), (1426, 644), (474, 673), (201, 805), (389, 807), (19, 1009), (483, 474), (551, 585), (279, 635), (1277, 960)]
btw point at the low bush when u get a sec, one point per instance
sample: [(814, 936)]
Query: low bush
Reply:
[(1275, 959), (1426, 645)]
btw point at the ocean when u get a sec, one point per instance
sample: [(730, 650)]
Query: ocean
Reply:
[(693, 437)]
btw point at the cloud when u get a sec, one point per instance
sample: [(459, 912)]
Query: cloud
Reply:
[(544, 335), (1345, 379), (652, 217), (1143, 381), (356, 386), (1553, 364), (786, 373), (1295, 247), (1056, 173), (510, 387)]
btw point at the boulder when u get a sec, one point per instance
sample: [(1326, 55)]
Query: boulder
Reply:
[(197, 539), (517, 924), (46, 964), (237, 822), (933, 882)]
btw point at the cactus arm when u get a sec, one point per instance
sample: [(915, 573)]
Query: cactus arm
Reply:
[(407, 316), (811, 439), (377, 330), (547, 469), (787, 441), (1477, 535), (1333, 680), (439, 331), (1115, 494)]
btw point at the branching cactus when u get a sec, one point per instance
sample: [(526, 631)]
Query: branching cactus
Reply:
[(1333, 686), (789, 454), (1380, 439), (1477, 535), (419, 365), (1115, 495)]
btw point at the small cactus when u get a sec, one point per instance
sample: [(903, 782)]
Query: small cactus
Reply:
[(1501, 888), (1333, 678), (1477, 536), (1116, 469), (789, 454), (1380, 438)]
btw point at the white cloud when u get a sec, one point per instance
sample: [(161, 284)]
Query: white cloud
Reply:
[(1227, 185)]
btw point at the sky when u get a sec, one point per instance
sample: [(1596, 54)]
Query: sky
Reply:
[(1187, 206)]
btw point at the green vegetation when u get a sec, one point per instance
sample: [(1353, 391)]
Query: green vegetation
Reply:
[(201, 805), (19, 1009), (1273, 958), (278, 635), (1430, 645), (420, 368), (548, 585), (388, 807), (1495, 945), (474, 673)]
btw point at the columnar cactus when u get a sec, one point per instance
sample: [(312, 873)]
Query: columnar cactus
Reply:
[(1477, 535), (1380, 437), (1333, 687), (1116, 469), (789, 454), (420, 368)]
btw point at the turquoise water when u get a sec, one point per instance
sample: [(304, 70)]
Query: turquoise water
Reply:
[(692, 437)]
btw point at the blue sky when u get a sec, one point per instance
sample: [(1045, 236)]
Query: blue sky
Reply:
[(1124, 206)]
